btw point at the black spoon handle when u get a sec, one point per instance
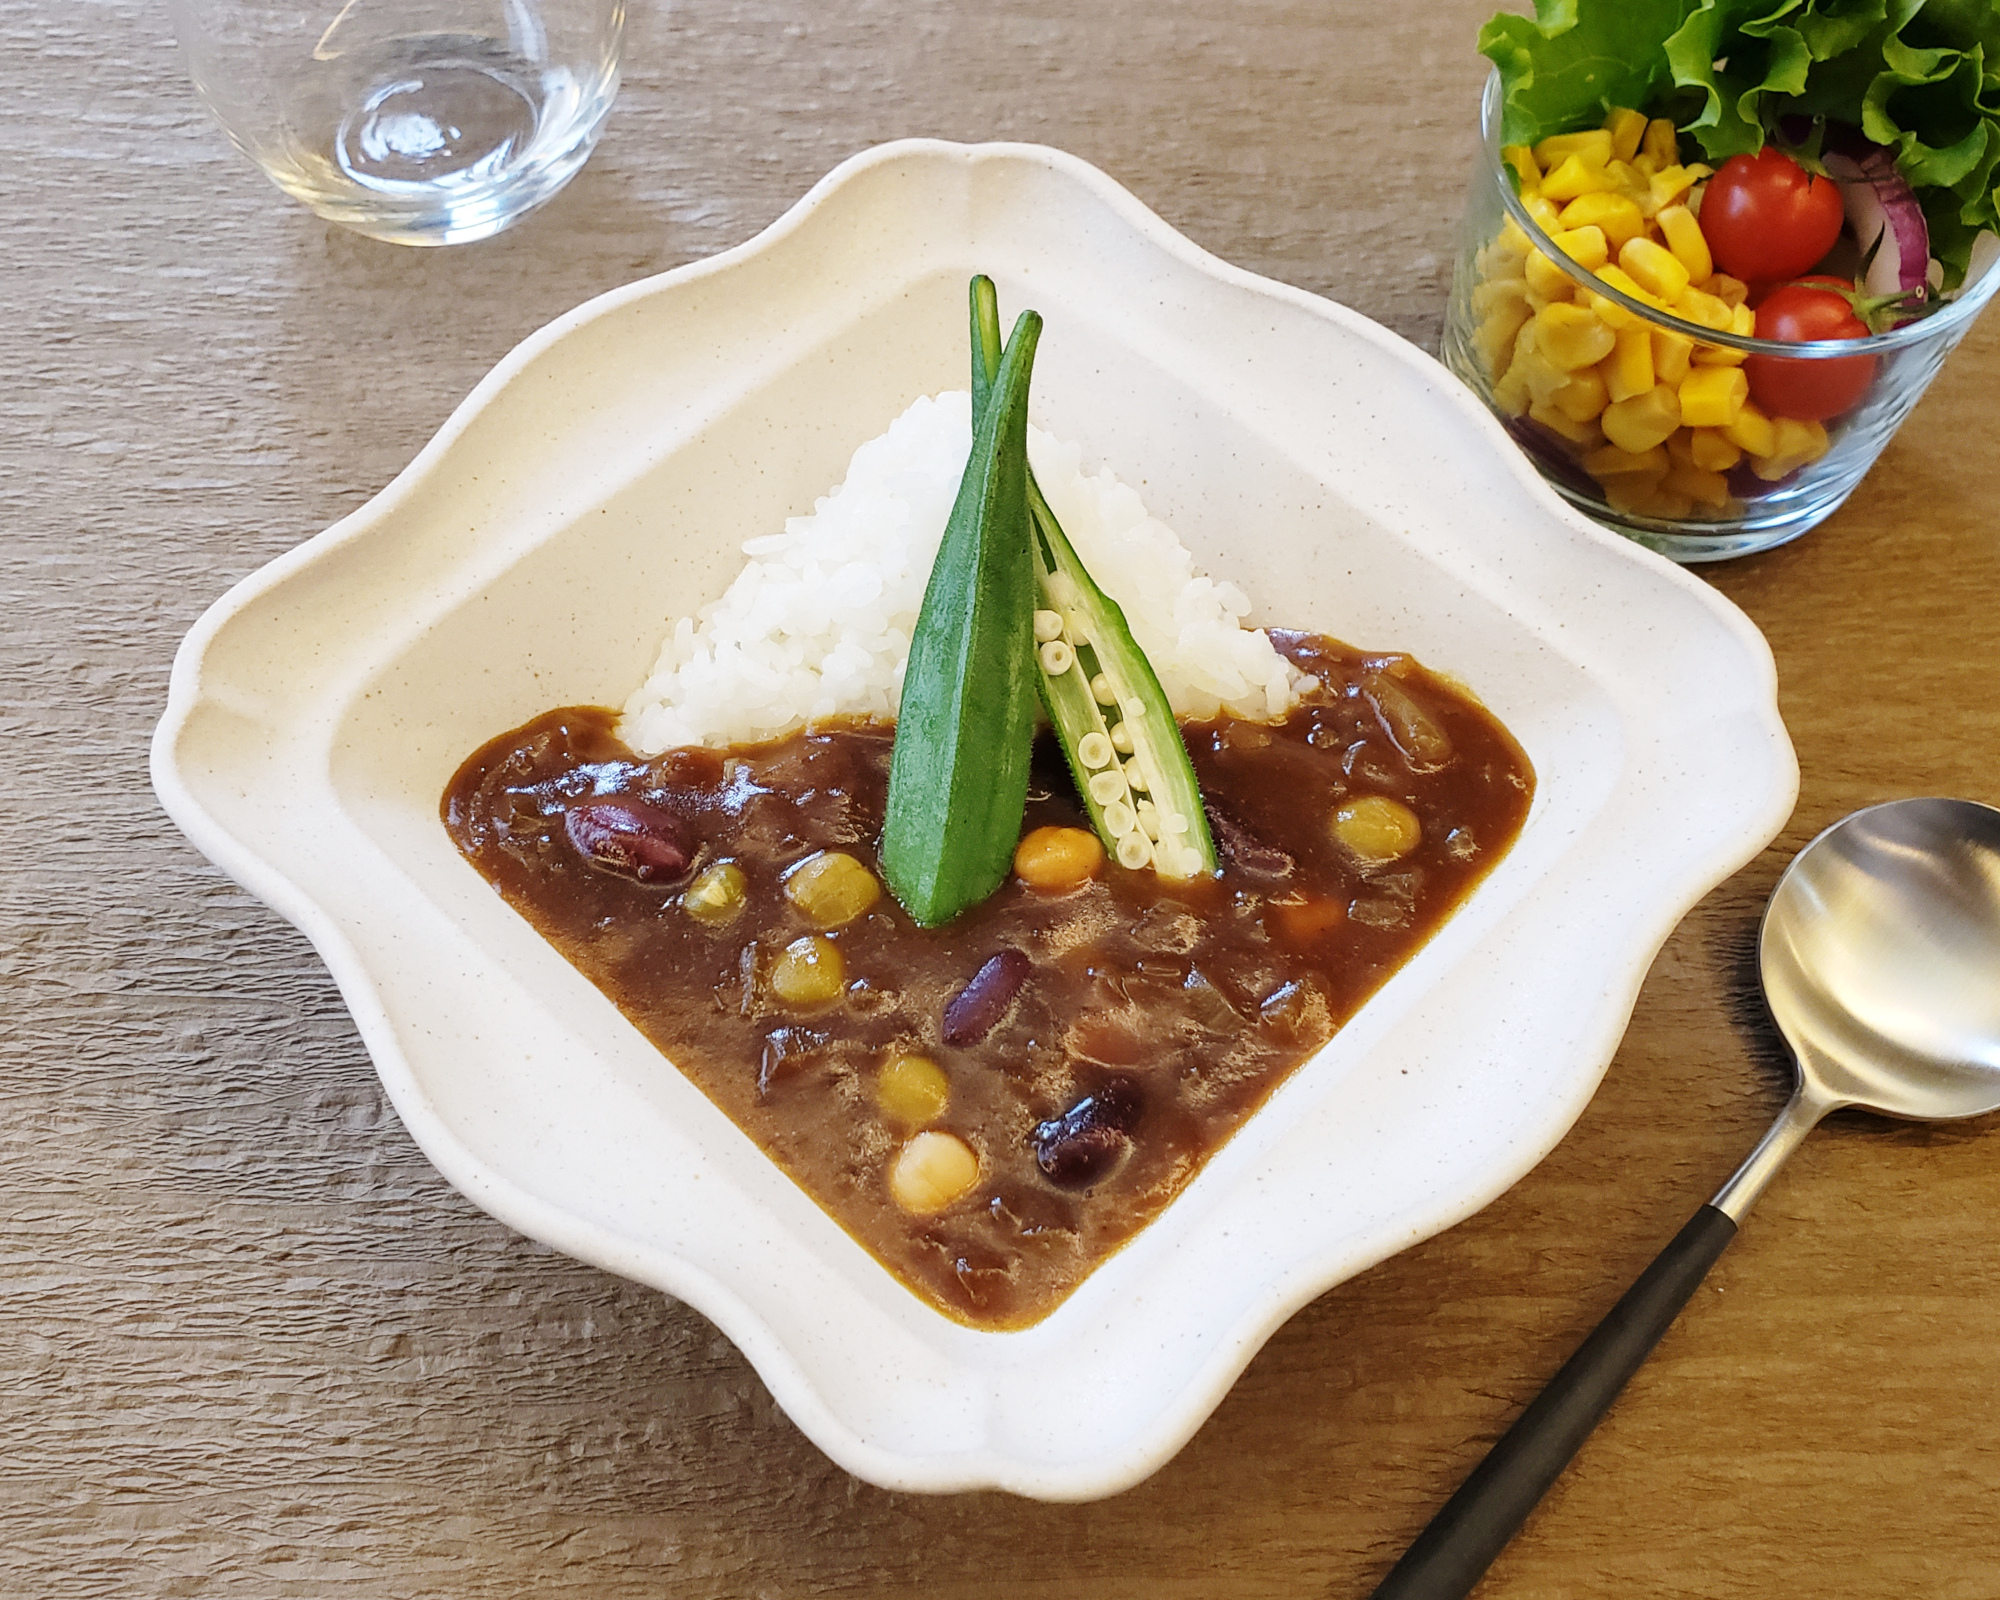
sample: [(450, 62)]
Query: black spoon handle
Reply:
[(1452, 1554)]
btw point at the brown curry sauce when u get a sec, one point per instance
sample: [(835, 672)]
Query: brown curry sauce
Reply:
[(1165, 1013)]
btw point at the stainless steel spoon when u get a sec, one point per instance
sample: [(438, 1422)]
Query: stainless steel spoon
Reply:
[(1880, 956)]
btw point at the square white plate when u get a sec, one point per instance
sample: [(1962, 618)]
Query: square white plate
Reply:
[(601, 480)]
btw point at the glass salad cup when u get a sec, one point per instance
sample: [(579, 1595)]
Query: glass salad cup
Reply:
[(1726, 479)]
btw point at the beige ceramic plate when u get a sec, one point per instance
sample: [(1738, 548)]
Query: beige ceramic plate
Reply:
[(603, 477)]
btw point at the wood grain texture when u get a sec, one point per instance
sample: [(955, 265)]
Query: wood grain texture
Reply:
[(251, 1345)]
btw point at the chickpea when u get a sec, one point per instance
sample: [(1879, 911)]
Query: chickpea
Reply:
[(1056, 859), (932, 1171), (717, 894), (911, 1091), (809, 972), (831, 889), (1375, 829)]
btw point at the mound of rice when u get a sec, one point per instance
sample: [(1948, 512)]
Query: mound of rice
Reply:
[(818, 622)]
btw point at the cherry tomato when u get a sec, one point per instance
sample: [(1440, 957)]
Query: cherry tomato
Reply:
[(1810, 390), (1765, 217)]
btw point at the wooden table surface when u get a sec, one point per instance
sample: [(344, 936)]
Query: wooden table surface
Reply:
[(251, 1345)]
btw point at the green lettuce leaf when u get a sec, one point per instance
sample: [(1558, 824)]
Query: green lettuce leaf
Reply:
[(1575, 60), (1920, 76), (1741, 55)]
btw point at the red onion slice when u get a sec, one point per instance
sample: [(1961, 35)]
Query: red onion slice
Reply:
[(1880, 206)]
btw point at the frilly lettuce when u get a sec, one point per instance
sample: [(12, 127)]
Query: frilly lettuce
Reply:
[(1920, 76)]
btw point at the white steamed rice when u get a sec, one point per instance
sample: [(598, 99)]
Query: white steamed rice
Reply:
[(818, 622)]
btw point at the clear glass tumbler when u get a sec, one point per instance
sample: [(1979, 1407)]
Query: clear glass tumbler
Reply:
[(1727, 478), (415, 121)]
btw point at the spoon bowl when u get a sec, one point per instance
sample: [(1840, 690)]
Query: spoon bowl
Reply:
[(1880, 955)]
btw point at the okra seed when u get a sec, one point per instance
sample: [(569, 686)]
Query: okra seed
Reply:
[(1121, 739), (1134, 850), (1173, 822), (1102, 692), (1107, 786), (1135, 775), (1119, 819), (1048, 625), (931, 1171), (1057, 658), (1149, 818), (1094, 750)]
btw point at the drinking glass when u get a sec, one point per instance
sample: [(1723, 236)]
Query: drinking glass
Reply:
[(1724, 485), (416, 121)]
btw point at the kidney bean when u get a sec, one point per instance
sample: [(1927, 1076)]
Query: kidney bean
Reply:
[(629, 837), (972, 1013), (1080, 1147)]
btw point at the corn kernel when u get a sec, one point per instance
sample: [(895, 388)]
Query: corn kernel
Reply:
[(911, 1090), (1695, 306), (1669, 187), (1712, 450), (1584, 435), (1730, 291), (1593, 145), (1746, 319), (830, 888), (1494, 337), (716, 895), (1710, 397), (1718, 355), (1583, 396), (1546, 212), (1548, 280), (932, 1171), (1610, 311), (1497, 292), (1795, 444), (1656, 500), (1510, 391), (1611, 462), (1751, 432), (1628, 370), (1513, 238), (1701, 486), (1614, 215), (1526, 168), (1684, 237), (1585, 246), (1054, 860), (1499, 261), (1569, 337), (1571, 177), (1627, 128), (1671, 354), (1625, 283), (1643, 421), (1655, 269), (1375, 829), (809, 972), (1626, 179), (1661, 142), (1542, 377)]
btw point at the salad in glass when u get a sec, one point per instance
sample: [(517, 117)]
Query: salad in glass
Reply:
[(1714, 253)]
